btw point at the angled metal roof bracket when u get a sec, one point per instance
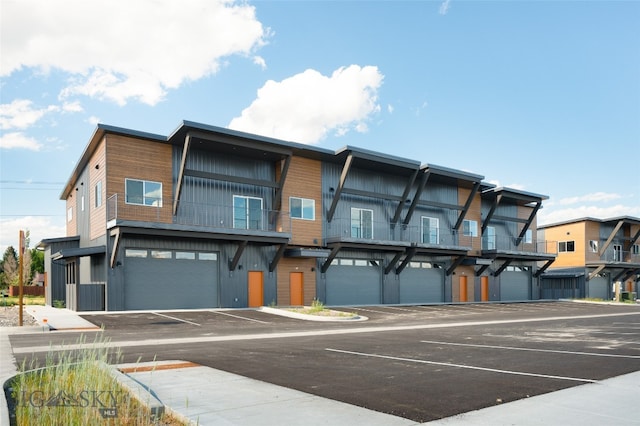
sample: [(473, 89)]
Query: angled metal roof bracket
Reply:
[(283, 177), (410, 253), (416, 197), (332, 255), (277, 257), (543, 268), (465, 209), (114, 249), (605, 246), (236, 258), (502, 267), (528, 223), (481, 270), (595, 272), (343, 178), (455, 264), (393, 262), (405, 196), (487, 219), (183, 164)]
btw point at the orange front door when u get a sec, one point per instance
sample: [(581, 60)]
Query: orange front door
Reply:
[(484, 289), (256, 289), (296, 289), (463, 288)]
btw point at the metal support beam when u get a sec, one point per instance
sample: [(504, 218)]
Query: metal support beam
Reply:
[(277, 199), (416, 197), (114, 249), (393, 262), (543, 268), (332, 255), (596, 272), (481, 270), (605, 246), (467, 205), (405, 196), (634, 239), (502, 267), (487, 219), (183, 164), (338, 191), (528, 223), (410, 253), (236, 258), (455, 264), (277, 257)]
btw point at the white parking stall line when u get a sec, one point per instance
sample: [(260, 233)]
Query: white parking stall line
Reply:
[(469, 367), (175, 318), (513, 348), (239, 317)]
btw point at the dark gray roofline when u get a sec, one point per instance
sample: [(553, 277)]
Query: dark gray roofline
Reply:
[(630, 219), (378, 156), (515, 193), (453, 173), (48, 241)]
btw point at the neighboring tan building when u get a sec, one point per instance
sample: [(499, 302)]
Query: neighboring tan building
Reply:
[(209, 217), (593, 255)]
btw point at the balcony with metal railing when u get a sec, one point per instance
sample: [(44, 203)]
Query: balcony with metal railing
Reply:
[(226, 220), (514, 247)]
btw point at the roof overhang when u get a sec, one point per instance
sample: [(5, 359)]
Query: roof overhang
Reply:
[(79, 252)]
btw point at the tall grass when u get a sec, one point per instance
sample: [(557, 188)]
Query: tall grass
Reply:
[(76, 387)]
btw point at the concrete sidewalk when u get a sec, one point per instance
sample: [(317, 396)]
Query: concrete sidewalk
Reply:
[(207, 396)]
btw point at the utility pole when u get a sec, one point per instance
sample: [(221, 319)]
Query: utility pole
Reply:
[(20, 279)]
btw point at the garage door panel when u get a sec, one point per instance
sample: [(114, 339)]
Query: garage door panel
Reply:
[(170, 283), (422, 285), (514, 285), (353, 285), (598, 288)]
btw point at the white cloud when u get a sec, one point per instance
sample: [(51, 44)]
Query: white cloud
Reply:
[(444, 7), (18, 140), (93, 120), (546, 215), (140, 49), (72, 107), (307, 106), (390, 109), (39, 227), (590, 198), (20, 114), (259, 60)]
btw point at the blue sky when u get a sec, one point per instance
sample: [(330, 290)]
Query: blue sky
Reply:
[(542, 96)]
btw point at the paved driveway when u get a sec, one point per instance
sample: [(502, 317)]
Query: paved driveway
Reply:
[(421, 363)]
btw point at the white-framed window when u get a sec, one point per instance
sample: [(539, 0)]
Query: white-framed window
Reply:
[(430, 230), (635, 249), (593, 246), (491, 238), (566, 246), (98, 194), (247, 212), (140, 253), (143, 192), (302, 208), (617, 253), (361, 223), (470, 228), (528, 237), (69, 214), (82, 203)]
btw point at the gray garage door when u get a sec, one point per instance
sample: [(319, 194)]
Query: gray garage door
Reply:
[(353, 282), (421, 283), (170, 279), (514, 285), (598, 288)]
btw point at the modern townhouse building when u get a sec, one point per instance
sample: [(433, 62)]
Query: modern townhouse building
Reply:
[(593, 255), (208, 217)]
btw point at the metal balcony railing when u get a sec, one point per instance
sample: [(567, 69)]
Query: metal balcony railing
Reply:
[(514, 244), (212, 216), (615, 255)]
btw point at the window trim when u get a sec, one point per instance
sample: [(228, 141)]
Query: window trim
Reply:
[(97, 193), (491, 238), (247, 216), (302, 208), (566, 245), (472, 232), (437, 229), (144, 198), (361, 223)]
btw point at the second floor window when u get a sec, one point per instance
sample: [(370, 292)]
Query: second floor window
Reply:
[(98, 194), (430, 230), (491, 238), (143, 192), (470, 228), (361, 223), (565, 246), (247, 212), (302, 208), (593, 246)]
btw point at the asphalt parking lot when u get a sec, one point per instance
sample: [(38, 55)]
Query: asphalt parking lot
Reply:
[(418, 362)]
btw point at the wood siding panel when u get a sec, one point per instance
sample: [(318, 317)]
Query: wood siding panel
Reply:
[(304, 181), (568, 232), (132, 158), (474, 213), (97, 215), (288, 265), (72, 225)]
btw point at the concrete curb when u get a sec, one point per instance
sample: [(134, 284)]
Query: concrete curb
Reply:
[(141, 393), (297, 315)]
